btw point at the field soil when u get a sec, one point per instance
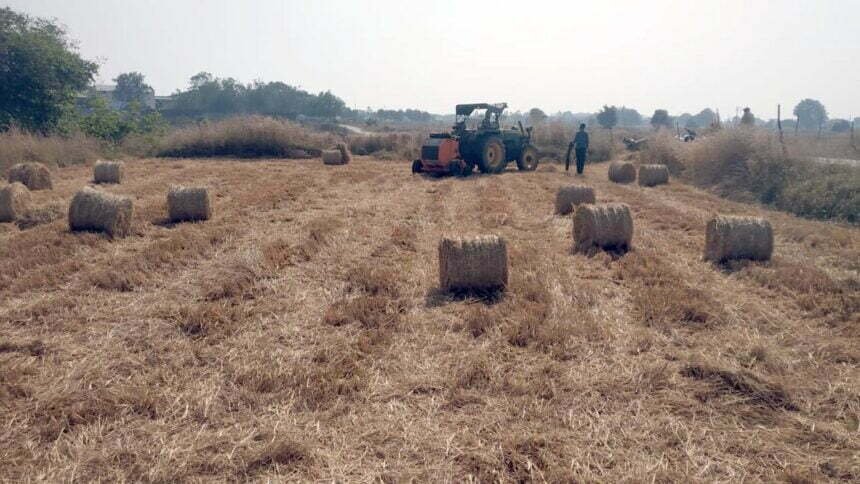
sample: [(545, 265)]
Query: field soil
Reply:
[(300, 335)]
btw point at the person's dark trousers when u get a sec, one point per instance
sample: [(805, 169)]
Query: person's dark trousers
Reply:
[(580, 159)]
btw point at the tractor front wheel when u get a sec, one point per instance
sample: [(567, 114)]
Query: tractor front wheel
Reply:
[(528, 160), (492, 156), (417, 166)]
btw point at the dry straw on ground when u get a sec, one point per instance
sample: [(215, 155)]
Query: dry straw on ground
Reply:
[(606, 226), (34, 176), (570, 196), (108, 172), (188, 204), (93, 210), (732, 237), (653, 175), (333, 157), (14, 202), (622, 172), (470, 264)]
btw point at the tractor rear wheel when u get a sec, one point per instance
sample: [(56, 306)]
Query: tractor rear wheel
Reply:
[(529, 158), (492, 156)]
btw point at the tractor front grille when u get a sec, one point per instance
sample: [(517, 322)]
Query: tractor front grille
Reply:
[(430, 152)]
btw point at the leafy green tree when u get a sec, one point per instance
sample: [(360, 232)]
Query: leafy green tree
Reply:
[(40, 72), (629, 117), (748, 119), (661, 119), (537, 116), (132, 86), (841, 126), (608, 117), (811, 114)]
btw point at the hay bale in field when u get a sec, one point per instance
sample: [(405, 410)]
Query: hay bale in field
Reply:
[(473, 264), (731, 237), (188, 204), (14, 202), (570, 196), (108, 172), (622, 172), (344, 152), (333, 157), (607, 226), (653, 175), (94, 210), (34, 176)]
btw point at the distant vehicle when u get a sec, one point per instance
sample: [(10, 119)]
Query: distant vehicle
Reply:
[(488, 147)]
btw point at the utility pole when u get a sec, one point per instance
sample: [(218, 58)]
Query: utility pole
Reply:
[(779, 127)]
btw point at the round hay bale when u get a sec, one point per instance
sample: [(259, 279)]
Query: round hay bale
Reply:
[(344, 152), (108, 171), (731, 237), (14, 202), (188, 204), (332, 157), (622, 172), (93, 210), (473, 264), (607, 226), (570, 196), (653, 175), (34, 176)]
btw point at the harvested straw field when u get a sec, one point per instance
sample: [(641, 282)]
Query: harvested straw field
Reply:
[(302, 335)]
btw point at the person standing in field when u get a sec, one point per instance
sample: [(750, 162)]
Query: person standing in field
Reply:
[(580, 147)]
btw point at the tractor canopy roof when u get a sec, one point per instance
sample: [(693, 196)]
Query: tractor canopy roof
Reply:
[(467, 109)]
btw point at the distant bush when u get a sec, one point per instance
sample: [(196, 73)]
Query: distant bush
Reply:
[(17, 146), (749, 165), (664, 149), (245, 137), (389, 145)]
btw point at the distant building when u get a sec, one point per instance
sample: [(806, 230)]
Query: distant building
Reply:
[(108, 93)]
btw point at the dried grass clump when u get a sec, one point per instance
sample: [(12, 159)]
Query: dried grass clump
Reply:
[(92, 210), (14, 202), (474, 264), (333, 157), (17, 146), (622, 172), (607, 226), (732, 237), (108, 171), (665, 149), (34, 176), (244, 137), (188, 204), (653, 175), (570, 196)]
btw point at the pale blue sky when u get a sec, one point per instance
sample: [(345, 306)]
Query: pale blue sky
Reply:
[(566, 55)]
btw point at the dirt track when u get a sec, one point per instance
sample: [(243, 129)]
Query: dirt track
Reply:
[(300, 334)]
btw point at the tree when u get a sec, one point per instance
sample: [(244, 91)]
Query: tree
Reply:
[(537, 116), (705, 118), (811, 114), (841, 126), (40, 72), (608, 117), (748, 119), (629, 117), (661, 119), (131, 86)]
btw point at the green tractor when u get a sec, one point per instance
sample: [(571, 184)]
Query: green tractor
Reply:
[(487, 146)]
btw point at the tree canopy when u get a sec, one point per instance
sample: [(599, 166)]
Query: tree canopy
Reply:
[(131, 86), (608, 117), (810, 113), (210, 96), (40, 72), (661, 119)]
